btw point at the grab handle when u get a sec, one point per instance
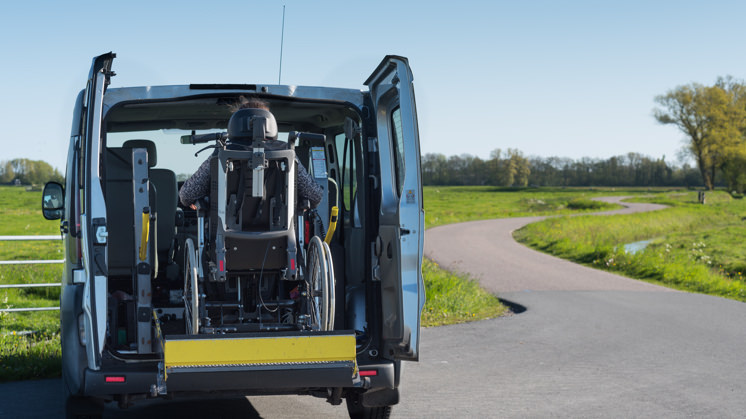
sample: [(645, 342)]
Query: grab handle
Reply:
[(145, 234)]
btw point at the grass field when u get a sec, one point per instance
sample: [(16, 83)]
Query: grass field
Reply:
[(29, 342), (692, 247), (454, 204)]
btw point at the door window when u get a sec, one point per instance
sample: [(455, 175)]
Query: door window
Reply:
[(346, 156), (396, 133)]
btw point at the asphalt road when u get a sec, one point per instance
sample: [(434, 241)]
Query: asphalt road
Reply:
[(589, 344)]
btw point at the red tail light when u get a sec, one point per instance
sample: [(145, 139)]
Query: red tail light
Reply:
[(115, 379), (368, 373)]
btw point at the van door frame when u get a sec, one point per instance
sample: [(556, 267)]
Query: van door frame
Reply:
[(93, 217), (401, 216)]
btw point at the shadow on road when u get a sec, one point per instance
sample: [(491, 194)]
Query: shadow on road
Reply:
[(238, 407), (514, 308)]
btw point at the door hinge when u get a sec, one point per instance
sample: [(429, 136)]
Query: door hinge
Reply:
[(372, 144)]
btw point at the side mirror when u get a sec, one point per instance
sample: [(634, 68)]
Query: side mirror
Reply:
[(53, 201)]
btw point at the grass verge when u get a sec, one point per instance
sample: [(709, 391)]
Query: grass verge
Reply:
[(455, 299), (692, 247), (30, 346)]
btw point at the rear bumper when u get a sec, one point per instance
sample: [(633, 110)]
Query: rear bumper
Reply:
[(254, 379), (263, 378)]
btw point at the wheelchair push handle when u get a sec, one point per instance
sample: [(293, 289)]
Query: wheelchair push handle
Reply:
[(202, 206), (203, 138), (310, 136)]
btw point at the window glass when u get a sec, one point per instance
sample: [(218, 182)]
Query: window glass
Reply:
[(398, 143), (346, 159)]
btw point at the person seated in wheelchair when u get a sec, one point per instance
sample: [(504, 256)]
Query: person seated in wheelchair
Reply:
[(198, 185), (252, 257)]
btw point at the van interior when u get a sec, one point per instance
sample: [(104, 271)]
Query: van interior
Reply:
[(156, 245)]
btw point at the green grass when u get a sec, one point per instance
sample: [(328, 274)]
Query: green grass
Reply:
[(29, 341), (455, 299), (694, 247), (454, 204), (29, 346), (21, 213)]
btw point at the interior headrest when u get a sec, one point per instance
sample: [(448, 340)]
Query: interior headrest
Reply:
[(146, 144), (241, 124)]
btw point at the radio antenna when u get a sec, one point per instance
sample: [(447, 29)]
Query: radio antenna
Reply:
[(282, 41)]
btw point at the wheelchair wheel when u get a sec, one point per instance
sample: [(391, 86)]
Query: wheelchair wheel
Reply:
[(191, 300), (331, 286), (320, 283)]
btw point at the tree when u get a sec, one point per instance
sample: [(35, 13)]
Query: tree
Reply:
[(29, 172), (714, 120), (7, 174), (730, 134), (519, 167)]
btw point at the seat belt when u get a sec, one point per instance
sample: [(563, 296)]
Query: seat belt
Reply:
[(241, 190)]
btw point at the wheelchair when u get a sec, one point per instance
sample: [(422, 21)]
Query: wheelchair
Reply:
[(256, 263)]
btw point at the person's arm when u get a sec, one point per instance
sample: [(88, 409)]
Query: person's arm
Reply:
[(305, 185), (197, 186)]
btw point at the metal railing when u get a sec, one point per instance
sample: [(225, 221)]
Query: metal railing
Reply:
[(29, 262)]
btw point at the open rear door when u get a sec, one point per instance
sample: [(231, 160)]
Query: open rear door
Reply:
[(401, 217), (93, 216)]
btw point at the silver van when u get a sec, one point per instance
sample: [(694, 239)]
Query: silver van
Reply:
[(251, 290)]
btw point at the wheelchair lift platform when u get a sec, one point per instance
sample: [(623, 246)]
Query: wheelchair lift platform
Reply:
[(255, 360), (193, 351)]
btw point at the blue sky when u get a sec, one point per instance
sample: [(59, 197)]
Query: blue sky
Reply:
[(571, 79)]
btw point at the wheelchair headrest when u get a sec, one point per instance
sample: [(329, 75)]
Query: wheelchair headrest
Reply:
[(242, 122), (146, 144)]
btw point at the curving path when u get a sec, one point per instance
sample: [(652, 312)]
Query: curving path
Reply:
[(486, 250), (589, 345)]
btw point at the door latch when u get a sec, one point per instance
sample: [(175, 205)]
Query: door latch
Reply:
[(101, 234)]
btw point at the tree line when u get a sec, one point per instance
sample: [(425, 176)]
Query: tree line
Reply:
[(713, 118), (28, 172), (512, 168)]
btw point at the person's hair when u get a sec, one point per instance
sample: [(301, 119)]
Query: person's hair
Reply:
[(251, 102)]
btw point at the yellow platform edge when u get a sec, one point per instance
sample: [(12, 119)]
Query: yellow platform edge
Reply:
[(270, 350)]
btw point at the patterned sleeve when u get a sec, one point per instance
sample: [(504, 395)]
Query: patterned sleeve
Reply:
[(306, 186), (197, 186)]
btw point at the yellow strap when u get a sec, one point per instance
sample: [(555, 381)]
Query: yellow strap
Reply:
[(145, 235), (332, 225)]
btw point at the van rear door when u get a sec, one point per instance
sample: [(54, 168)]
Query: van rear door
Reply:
[(93, 211), (401, 216)]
